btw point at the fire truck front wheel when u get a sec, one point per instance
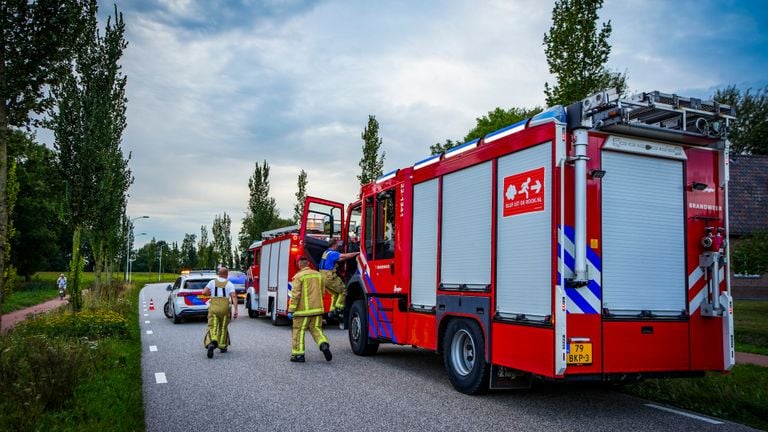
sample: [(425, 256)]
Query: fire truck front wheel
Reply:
[(464, 358), (358, 330)]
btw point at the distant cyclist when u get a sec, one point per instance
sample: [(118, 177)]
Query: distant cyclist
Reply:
[(61, 283)]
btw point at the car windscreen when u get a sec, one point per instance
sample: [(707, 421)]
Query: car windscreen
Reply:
[(198, 284)]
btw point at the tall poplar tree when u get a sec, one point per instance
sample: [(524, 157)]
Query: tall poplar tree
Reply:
[(577, 52), (221, 244), (261, 213), (188, 251), (88, 127), (371, 164), (37, 39), (204, 250), (301, 195)]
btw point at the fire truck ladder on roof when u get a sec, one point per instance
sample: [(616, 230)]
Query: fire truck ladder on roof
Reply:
[(655, 115), (279, 231)]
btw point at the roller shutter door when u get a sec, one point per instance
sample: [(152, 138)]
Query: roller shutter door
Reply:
[(643, 234)]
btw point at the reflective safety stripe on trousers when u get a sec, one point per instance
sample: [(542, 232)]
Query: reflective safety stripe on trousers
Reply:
[(305, 298)]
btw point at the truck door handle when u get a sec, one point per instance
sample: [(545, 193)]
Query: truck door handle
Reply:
[(392, 268)]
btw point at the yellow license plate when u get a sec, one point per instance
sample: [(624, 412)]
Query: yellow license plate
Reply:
[(579, 353)]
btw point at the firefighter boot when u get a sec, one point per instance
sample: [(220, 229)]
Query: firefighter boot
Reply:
[(326, 349), (297, 358), (211, 347)]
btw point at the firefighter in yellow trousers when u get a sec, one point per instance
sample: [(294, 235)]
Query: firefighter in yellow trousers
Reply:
[(306, 310), (221, 292), (331, 280)]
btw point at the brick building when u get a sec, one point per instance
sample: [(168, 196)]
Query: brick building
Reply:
[(748, 212)]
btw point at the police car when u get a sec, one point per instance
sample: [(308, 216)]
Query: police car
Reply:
[(185, 298), (238, 280)]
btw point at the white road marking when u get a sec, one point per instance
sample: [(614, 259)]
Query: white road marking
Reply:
[(146, 314), (682, 413), (149, 331), (146, 322), (160, 378), (153, 348)]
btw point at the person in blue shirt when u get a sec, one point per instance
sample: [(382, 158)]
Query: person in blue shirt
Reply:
[(331, 280)]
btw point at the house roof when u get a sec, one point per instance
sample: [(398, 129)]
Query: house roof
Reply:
[(748, 194)]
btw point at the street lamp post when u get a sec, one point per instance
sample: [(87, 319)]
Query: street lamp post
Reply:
[(128, 245), (130, 261), (160, 269)]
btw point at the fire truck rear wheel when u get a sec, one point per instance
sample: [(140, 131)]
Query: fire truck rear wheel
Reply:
[(464, 356), (251, 312), (358, 330)]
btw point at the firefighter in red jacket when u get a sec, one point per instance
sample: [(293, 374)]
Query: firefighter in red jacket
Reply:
[(306, 310)]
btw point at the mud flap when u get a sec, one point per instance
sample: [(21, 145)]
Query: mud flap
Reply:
[(504, 378)]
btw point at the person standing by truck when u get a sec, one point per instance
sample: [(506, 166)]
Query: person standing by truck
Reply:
[(306, 310), (331, 280), (222, 292)]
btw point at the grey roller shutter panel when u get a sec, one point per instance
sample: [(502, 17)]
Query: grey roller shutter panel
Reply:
[(524, 243), (274, 259), (424, 258), (643, 234), (282, 281), (264, 276), (466, 228)]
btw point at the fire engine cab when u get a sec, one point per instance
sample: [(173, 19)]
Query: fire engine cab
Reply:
[(274, 258), (588, 242)]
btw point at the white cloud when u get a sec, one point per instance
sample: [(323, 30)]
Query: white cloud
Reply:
[(213, 90)]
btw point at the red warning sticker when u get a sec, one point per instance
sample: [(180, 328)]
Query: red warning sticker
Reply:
[(524, 192)]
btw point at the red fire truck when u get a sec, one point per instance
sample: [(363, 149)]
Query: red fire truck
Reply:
[(274, 261), (588, 242)]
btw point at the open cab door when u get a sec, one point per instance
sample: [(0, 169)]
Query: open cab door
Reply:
[(321, 221)]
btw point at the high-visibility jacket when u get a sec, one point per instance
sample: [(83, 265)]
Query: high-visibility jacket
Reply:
[(306, 293)]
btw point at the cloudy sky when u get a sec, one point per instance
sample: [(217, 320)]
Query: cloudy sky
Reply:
[(215, 86)]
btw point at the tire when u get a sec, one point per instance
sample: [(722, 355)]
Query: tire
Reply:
[(176, 318), (251, 313), (167, 309), (464, 357), (358, 330)]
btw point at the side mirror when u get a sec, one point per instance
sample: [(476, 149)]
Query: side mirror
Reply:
[(169, 287)]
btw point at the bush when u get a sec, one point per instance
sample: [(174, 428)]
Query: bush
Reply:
[(37, 374), (88, 324), (750, 255)]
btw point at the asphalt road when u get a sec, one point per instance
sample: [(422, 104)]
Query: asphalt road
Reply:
[(255, 387)]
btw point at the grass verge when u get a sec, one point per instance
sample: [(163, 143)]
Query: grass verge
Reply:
[(29, 295), (750, 318), (741, 396), (80, 371)]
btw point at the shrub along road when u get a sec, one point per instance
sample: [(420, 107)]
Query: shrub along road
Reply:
[(253, 386)]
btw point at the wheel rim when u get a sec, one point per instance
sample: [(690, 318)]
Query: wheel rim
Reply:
[(356, 327), (463, 353)]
